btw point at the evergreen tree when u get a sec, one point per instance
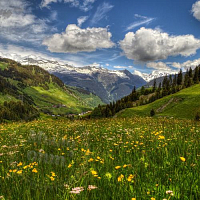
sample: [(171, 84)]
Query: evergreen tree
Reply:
[(196, 75), (180, 78)]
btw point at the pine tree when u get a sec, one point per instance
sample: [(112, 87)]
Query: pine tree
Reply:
[(196, 76), (180, 78)]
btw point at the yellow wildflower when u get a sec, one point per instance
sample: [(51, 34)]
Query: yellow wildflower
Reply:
[(70, 165), (94, 172), (20, 164), (34, 170), (183, 159), (117, 167), (120, 178), (19, 172), (90, 160), (52, 178)]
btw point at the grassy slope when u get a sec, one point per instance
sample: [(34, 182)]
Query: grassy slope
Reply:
[(75, 101), (54, 96), (185, 104)]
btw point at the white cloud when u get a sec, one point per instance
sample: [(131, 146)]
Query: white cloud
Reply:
[(86, 5), (81, 20), (158, 66), (96, 65), (151, 45), (196, 10), (19, 52), (186, 65), (120, 67), (75, 39), (101, 12), (123, 67), (17, 23), (143, 20)]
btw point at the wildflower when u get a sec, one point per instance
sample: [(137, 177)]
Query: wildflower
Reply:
[(77, 190), (90, 160), (133, 199), (124, 166), (70, 165), (108, 175), (52, 178), (34, 170), (183, 159), (117, 167), (14, 170), (19, 172), (59, 149), (169, 192), (1, 161), (120, 178), (91, 187), (152, 198), (94, 172), (20, 164), (53, 174), (131, 176), (161, 137)]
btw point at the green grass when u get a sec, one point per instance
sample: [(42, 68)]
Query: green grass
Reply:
[(184, 104), (3, 65), (54, 96), (140, 158), (6, 97)]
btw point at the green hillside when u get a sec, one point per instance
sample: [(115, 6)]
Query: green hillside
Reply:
[(183, 104), (35, 86)]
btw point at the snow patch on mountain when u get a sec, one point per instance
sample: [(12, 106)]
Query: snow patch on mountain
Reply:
[(153, 75)]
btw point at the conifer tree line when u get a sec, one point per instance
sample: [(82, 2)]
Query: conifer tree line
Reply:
[(169, 85), (16, 111)]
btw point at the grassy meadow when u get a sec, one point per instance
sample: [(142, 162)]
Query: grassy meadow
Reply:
[(132, 158), (183, 104)]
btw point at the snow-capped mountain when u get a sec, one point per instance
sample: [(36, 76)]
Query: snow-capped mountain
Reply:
[(109, 85), (154, 75)]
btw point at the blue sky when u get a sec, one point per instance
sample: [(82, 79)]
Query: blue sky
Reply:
[(138, 35)]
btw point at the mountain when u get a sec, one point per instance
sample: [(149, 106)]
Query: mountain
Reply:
[(35, 86), (154, 75), (183, 104), (109, 85)]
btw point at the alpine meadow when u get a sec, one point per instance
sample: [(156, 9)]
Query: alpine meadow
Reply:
[(99, 100)]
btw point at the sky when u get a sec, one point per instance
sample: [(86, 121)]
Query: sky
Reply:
[(137, 35)]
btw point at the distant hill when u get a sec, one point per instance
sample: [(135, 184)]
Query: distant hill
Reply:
[(183, 104), (35, 86)]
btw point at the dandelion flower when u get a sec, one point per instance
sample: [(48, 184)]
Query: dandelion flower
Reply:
[(34, 170), (117, 167), (120, 178), (183, 159)]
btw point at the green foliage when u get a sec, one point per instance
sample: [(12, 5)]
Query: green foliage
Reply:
[(17, 111)]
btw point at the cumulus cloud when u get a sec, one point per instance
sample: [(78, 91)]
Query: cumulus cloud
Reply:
[(186, 65), (75, 39), (101, 12), (17, 23), (81, 20), (196, 10), (142, 20), (151, 45), (85, 5), (158, 66)]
